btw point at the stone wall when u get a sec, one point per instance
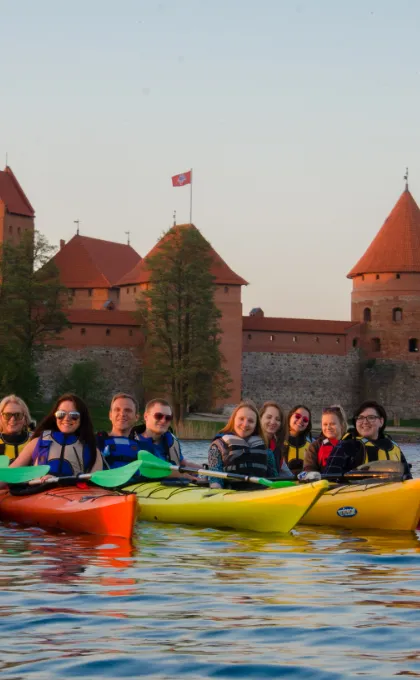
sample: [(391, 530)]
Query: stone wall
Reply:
[(395, 384), (312, 379), (120, 368)]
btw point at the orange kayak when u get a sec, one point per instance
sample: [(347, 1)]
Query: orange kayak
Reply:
[(89, 510)]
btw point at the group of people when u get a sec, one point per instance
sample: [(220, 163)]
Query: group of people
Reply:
[(263, 443)]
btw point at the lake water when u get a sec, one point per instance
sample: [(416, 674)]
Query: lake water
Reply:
[(203, 603)]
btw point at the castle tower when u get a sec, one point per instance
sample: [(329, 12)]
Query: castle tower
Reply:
[(386, 286), (16, 213)]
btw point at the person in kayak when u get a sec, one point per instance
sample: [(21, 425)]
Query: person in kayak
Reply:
[(241, 448), (64, 440), (274, 425), (119, 446), (300, 437), (14, 426), (334, 427), (154, 436), (367, 443)]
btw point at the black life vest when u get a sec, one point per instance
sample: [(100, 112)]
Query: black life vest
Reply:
[(295, 451), (242, 456), (11, 448)]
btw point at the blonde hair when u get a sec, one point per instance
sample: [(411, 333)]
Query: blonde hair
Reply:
[(13, 399), (337, 410), (229, 427)]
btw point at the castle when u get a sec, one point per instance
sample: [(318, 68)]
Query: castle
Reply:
[(317, 362)]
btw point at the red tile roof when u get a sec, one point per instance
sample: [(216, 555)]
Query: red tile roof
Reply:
[(86, 262), (13, 196), (285, 325), (221, 271), (396, 247), (101, 317)]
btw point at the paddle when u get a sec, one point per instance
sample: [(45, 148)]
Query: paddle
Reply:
[(4, 461), (389, 470), (106, 478), (154, 468)]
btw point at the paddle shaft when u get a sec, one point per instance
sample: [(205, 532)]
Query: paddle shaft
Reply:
[(224, 475)]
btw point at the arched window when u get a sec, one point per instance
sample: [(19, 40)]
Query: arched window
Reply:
[(90, 292), (355, 342), (83, 331), (108, 331), (130, 332), (367, 314), (316, 338), (377, 277), (128, 290), (397, 276), (413, 345), (294, 338), (397, 314), (375, 344), (271, 338), (249, 336), (337, 341)]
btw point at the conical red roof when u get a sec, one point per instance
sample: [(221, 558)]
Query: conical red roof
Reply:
[(222, 273), (396, 247), (12, 194)]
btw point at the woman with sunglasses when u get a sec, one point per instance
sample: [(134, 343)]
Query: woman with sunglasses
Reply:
[(241, 448), (64, 440), (14, 426), (334, 427), (367, 443), (300, 438), (274, 425)]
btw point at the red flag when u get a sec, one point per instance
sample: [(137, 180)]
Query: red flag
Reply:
[(180, 180)]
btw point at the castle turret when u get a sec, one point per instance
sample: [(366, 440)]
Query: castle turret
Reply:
[(386, 285), (16, 213)]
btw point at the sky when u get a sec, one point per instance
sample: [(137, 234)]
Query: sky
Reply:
[(298, 118)]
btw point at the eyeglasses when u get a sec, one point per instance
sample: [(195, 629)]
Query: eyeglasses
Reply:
[(299, 416), (9, 416), (366, 419), (73, 415), (162, 416)]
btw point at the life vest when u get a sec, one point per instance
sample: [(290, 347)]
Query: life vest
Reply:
[(118, 451), (12, 449), (169, 444), (324, 452), (64, 453), (381, 449), (242, 456), (275, 447), (296, 447)]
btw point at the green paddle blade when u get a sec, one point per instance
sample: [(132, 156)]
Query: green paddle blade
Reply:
[(21, 475), (4, 461), (275, 485), (153, 467), (116, 476)]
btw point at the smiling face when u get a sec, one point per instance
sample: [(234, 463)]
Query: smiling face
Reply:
[(123, 416), (368, 423), (158, 420), (331, 427), (13, 419), (67, 417), (271, 421), (245, 422), (299, 421)]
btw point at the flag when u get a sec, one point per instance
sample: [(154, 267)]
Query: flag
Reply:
[(180, 180)]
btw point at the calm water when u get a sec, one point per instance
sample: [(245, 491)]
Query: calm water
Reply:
[(203, 603)]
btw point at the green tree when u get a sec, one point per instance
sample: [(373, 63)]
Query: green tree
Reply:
[(31, 299), (181, 324), (86, 380)]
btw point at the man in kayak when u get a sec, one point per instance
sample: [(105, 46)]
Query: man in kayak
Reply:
[(154, 436), (118, 447)]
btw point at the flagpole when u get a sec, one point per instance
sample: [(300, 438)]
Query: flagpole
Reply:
[(191, 196)]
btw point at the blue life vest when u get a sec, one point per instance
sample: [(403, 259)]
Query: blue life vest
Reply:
[(64, 453), (168, 448), (118, 451)]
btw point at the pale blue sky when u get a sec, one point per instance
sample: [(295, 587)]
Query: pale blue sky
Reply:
[(298, 118)]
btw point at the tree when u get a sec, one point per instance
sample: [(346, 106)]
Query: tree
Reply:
[(86, 380), (181, 325), (31, 299)]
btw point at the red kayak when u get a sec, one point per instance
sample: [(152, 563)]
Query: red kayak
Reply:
[(86, 510)]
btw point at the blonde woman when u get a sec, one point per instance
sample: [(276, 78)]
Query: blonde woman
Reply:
[(334, 427), (14, 426), (241, 448)]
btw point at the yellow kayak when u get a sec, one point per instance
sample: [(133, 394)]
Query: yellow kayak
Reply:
[(380, 505), (267, 510)]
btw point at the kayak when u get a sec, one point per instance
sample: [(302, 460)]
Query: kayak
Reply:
[(86, 510), (374, 505), (267, 510)]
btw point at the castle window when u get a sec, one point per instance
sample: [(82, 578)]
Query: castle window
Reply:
[(367, 314), (128, 290), (134, 290), (413, 345), (316, 339), (83, 331), (90, 292), (397, 276), (363, 277), (10, 228), (355, 342), (72, 292), (294, 338), (226, 289), (249, 336), (130, 331), (397, 314), (271, 338), (377, 277), (18, 230), (375, 344), (337, 341), (108, 331)]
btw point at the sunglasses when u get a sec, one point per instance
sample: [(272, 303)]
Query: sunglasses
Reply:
[(73, 415), (162, 416), (299, 416), (9, 416)]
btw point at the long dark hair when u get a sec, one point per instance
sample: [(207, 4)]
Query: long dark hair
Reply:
[(308, 429), (85, 430), (379, 410), (282, 433)]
